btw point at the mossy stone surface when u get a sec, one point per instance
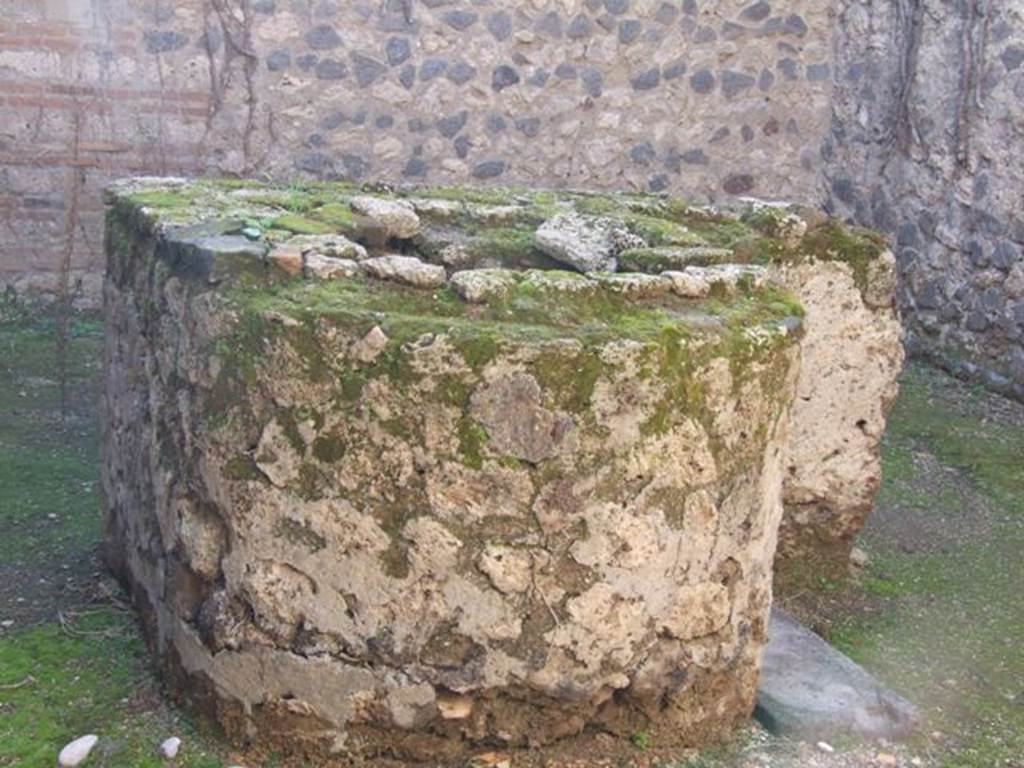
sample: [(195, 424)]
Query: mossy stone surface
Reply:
[(570, 486), (497, 224)]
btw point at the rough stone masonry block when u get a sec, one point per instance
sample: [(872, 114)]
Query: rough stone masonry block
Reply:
[(851, 357), (386, 478)]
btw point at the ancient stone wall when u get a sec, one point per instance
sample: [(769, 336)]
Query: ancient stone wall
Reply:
[(901, 115), (705, 97), (925, 143)]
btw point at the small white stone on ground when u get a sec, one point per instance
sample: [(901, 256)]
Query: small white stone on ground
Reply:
[(75, 752), (824, 746), (859, 558), (170, 747)]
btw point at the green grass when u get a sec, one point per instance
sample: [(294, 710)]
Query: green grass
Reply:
[(83, 680), (27, 529), (948, 627), (48, 465), (640, 739), (87, 673)]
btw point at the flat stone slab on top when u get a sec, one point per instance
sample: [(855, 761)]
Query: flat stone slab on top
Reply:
[(812, 691)]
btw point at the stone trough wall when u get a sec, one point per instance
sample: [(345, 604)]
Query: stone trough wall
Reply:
[(385, 478), (851, 358), (852, 355)]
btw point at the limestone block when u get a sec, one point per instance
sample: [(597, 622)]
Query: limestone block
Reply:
[(423, 516), (852, 354)]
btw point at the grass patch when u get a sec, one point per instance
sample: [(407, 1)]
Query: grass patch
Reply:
[(947, 615), (49, 484), (640, 739), (90, 678), (90, 672)]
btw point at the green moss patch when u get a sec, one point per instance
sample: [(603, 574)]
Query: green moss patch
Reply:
[(508, 239), (854, 246), (472, 438), (300, 225), (571, 377), (530, 311)]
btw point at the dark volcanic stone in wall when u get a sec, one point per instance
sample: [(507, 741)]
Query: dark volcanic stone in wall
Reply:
[(925, 142), (397, 50), (734, 83), (489, 169), (629, 30), (646, 80), (278, 60), (322, 37), (503, 77), (738, 184), (702, 81)]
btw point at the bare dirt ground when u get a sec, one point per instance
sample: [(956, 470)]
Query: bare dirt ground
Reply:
[(938, 613)]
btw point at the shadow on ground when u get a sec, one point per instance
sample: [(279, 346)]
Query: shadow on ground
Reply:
[(938, 614)]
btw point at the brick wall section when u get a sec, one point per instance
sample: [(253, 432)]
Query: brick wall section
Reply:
[(77, 109), (709, 98)]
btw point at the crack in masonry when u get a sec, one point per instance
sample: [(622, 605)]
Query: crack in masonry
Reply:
[(236, 24), (907, 31), (973, 47)]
